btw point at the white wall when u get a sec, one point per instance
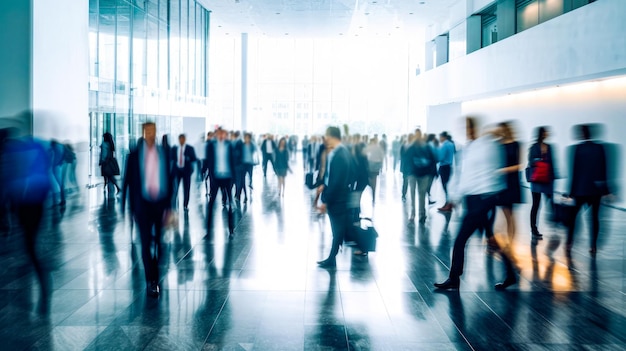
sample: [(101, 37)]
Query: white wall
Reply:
[(61, 69), (561, 108), (583, 44), (60, 75)]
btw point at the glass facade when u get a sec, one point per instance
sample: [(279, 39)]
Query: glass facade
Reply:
[(147, 61), (302, 85)]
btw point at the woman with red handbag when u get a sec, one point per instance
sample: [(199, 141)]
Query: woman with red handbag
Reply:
[(540, 174)]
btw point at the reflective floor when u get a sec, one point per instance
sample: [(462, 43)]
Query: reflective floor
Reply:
[(263, 290)]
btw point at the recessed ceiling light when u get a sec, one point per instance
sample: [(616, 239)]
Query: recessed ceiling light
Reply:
[(286, 33), (340, 33), (367, 14), (278, 13), (410, 13), (397, 27), (422, 2), (220, 26)]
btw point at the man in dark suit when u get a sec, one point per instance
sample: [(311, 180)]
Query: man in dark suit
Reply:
[(268, 148), (336, 191), (220, 166), (183, 157), (148, 182), (588, 183)]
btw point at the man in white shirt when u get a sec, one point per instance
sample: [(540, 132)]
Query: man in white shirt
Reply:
[(478, 183)]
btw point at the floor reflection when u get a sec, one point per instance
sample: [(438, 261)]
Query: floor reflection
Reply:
[(261, 289)]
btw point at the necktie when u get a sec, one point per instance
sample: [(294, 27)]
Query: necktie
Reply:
[(180, 158)]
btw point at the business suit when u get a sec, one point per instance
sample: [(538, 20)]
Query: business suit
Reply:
[(268, 156), (186, 160), (336, 195), (220, 178), (147, 207), (588, 185)]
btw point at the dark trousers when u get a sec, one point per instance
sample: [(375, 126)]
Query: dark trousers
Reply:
[(340, 222), (445, 172), (405, 183), (267, 158), (594, 203), (149, 220), (225, 185), (29, 217), (240, 182), (186, 178), (476, 217), (534, 210)]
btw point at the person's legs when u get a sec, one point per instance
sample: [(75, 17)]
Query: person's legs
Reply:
[(595, 221), (405, 183), (422, 188), (572, 227), (534, 210), (444, 174), (510, 222), (186, 189), (212, 195), (372, 180), (177, 179), (265, 159), (475, 217), (412, 185), (339, 223)]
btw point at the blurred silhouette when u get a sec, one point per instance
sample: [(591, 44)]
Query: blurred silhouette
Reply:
[(336, 192), (281, 165), (479, 184), (588, 182), (423, 165), (109, 167), (220, 167), (24, 175), (375, 158), (183, 157), (446, 161), (541, 174), (149, 182), (512, 194)]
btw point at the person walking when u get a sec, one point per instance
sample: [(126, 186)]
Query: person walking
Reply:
[(220, 167), (281, 165), (588, 184), (541, 175), (446, 162), (423, 165), (335, 192), (149, 182), (375, 158), (109, 167), (184, 157), (479, 183)]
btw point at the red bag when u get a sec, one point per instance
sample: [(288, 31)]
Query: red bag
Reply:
[(541, 172)]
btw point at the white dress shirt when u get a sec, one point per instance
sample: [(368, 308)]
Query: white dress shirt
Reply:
[(478, 169), (222, 168)]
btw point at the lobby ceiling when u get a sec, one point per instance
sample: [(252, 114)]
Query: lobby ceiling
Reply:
[(325, 18)]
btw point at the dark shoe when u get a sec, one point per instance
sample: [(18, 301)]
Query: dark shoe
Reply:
[(593, 250), (153, 289), (328, 263), (506, 283), (186, 209), (537, 236), (449, 284), (432, 202)]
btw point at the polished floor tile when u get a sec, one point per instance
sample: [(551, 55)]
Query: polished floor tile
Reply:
[(262, 290)]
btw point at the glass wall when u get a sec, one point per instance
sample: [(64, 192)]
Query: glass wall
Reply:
[(147, 61), (302, 85)]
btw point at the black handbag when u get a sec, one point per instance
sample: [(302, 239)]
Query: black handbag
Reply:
[(365, 235)]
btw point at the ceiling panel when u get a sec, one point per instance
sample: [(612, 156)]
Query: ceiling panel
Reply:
[(316, 18)]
